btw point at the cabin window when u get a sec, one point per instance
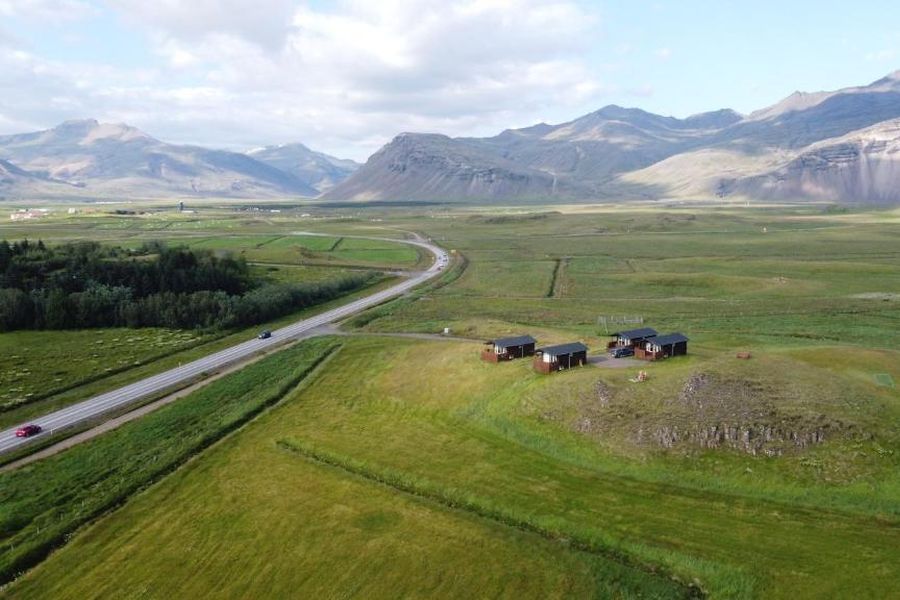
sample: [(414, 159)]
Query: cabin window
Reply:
[(546, 358)]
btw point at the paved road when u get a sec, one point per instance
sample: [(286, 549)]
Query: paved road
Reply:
[(116, 399)]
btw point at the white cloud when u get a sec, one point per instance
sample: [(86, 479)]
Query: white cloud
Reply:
[(264, 22), (884, 55), (664, 53), (344, 79), (46, 10), (7, 39)]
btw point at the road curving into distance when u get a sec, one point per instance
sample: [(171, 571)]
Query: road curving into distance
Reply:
[(97, 406)]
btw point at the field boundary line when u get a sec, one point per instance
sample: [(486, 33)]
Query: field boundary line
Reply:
[(469, 504), (559, 279), (269, 241)]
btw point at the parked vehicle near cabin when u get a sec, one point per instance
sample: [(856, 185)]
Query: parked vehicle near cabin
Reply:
[(622, 352)]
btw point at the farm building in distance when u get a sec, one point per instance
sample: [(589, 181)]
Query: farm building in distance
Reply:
[(557, 358), (509, 348), (662, 346), (633, 338)]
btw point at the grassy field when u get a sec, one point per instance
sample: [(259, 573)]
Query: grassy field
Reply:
[(43, 371), (38, 364), (44, 503), (730, 277), (294, 525), (411, 468), (306, 249), (468, 436), (282, 273), (36, 406), (271, 240)]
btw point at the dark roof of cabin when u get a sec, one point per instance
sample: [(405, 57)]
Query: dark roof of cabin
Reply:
[(636, 333), (519, 340), (569, 348), (669, 338)]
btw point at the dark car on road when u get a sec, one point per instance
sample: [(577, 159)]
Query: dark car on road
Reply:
[(28, 430), (264, 335), (622, 352)]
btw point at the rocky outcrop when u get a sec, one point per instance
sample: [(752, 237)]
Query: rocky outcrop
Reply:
[(710, 412), (861, 168), (758, 438), (740, 414), (429, 167)]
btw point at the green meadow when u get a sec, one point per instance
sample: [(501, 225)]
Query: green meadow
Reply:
[(729, 277), (471, 443), (45, 370), (409, 468), (38, 364), (43, 504), (248, 519)]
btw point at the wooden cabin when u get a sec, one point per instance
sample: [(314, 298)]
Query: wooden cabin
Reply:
[(662, 346), (632, 338), (508, 348), (558, 358)]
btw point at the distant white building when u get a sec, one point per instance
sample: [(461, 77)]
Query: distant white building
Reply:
[(31, 213)]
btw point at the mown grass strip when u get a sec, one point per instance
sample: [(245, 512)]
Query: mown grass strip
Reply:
[(551, 529), (42, 505), (100, 375)]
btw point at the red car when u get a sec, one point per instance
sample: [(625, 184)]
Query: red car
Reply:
[(28, 430)]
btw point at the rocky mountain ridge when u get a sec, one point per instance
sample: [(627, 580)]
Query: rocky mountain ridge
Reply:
[(86, 158), (833, 146), (779, 152)]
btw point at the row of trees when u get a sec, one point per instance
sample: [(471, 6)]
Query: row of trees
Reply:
[(151, 269), (86, 285)]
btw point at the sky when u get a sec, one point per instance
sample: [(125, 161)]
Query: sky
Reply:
[(346, 76)]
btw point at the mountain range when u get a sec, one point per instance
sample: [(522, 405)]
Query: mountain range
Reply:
[(838, 146), (834, 146), (316, 169), (86, 158)]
